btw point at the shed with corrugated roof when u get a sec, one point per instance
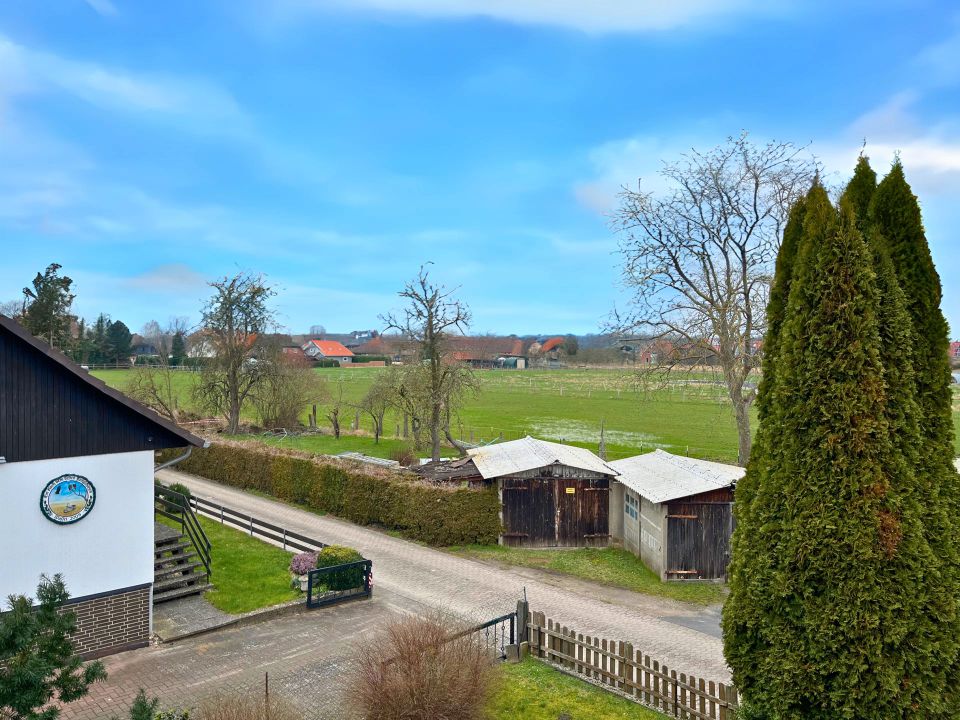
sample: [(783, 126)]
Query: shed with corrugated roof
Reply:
[(677, 513), (551, 495)]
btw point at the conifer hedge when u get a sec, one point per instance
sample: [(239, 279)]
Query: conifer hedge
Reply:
[(435, 515), (838, 575)]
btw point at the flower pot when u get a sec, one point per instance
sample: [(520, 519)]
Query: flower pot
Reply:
[(304, 579)]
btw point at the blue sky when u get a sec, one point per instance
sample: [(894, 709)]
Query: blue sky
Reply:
[(335, 146)]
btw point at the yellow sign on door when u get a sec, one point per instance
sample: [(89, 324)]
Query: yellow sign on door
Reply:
[(571, 491)]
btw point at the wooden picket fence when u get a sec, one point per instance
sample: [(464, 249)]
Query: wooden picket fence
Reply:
[(617, 665)]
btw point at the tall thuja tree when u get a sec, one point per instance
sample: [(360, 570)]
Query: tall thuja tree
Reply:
[(896, 227), (859, 191), (752, 566), (831, 576)]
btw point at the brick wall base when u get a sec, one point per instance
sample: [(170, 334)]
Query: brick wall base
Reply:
[(111, 622)]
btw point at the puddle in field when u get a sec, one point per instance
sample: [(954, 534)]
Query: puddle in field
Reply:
[(576, 431)]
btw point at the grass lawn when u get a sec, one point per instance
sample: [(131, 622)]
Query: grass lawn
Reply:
[(686, 418), (533, 690), (247, 573), (610, 566)]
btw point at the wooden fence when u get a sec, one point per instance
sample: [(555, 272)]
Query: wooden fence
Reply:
[(620, 667)]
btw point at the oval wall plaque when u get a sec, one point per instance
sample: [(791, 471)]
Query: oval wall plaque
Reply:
[(67, 499)]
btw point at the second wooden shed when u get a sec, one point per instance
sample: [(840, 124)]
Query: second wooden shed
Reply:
[(677, 513)]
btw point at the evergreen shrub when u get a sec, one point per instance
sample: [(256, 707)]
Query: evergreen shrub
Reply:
[(365, 495)]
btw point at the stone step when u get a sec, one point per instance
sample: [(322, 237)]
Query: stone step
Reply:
[(162, 563), (177, 547), (185, 568), (180, 581), (159, 597)]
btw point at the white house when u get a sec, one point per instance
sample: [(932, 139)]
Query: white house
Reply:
[(76, 469), (327, 350)]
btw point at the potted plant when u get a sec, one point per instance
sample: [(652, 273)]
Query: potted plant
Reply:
[(300, 565)]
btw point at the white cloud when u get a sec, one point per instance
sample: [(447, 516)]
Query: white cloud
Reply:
[(939, 63), (103, 7), (195, 103), (593, 16), (624, 162), (930, 151), (167, 279)]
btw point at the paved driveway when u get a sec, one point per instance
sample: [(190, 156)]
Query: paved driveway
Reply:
[(308, 654), (684, 637)]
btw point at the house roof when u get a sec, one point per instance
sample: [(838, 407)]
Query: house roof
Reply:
[(660, 476), (51, 407), (529, 454), (552, 344), (331, 348), (485, 347)]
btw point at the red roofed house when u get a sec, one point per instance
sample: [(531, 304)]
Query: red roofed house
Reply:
[(955, 349), (327, 350)]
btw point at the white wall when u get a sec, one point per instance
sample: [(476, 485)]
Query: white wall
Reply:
[(109, 549)]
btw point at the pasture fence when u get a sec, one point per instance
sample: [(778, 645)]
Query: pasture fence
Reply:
[(618, 666)]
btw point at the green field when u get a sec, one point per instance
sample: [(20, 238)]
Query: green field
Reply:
[(691, 416)]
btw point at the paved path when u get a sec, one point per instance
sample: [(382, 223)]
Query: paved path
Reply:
[(682, 636), (308, 656)]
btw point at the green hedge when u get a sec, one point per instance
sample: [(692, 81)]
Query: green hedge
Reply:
[(339, 555), (434, 515)]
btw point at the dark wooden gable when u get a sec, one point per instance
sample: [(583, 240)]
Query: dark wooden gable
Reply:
[(52, 408)]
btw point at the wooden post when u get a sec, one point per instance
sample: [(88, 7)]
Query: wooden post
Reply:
[(673, 694), (646, 679), (603, 662), (683, 696), (580, 653), (703, 699), (711, 689), (657, 686), (523, 609), (626, 668)]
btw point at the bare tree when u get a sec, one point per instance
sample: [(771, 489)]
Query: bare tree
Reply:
[(407, 394), (335, 407), (11, 308), (376, 402), (432, 314), (288, 385), (155, 385), (699, 258), (233, 320)]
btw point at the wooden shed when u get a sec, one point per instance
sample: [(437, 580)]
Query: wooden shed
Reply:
[(677, 513), (551, 495)]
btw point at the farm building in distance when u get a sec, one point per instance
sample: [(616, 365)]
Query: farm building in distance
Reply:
[(77, 467), (327, 350), (677, 513), (550, 494)]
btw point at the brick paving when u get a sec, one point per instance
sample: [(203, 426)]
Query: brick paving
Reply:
[(683, 636), (307, 656)]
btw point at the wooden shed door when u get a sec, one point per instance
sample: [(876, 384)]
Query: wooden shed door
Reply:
[(529, 515), (583, 513), (698, 539)]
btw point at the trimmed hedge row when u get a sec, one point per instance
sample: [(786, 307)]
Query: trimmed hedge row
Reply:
[(434, 515)]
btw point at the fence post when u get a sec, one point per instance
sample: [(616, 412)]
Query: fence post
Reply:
[(284, 538), (624, 652), (523, 609)]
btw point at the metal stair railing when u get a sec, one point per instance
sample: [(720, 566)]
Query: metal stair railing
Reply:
[(177, 507)]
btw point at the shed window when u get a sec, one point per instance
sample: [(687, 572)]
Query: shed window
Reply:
[(631, 506)]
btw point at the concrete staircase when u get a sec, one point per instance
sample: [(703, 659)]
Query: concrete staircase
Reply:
[(177, 568)]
